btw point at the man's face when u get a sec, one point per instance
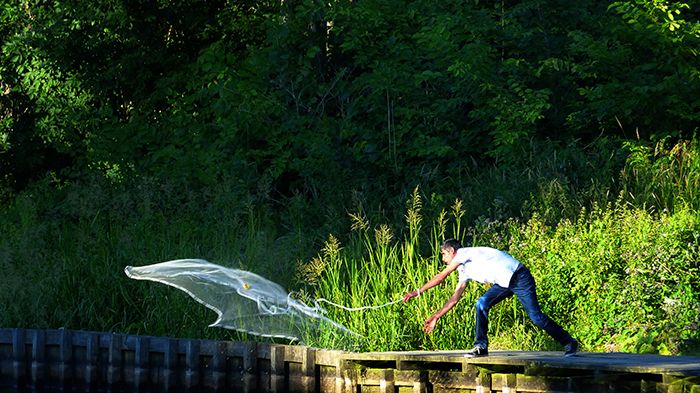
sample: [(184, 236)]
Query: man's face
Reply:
[(447, 254)]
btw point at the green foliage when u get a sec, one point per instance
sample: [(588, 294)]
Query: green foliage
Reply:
[(619, 278), (618, 274), (270, 120), (661, 177), (64, 253), (300, 96), (623, 274), (640, 76)]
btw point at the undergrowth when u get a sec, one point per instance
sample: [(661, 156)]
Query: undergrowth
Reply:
[(616, 263)]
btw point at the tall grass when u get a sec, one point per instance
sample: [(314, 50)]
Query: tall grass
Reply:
[(64, 251), (663, 174), (619, 278), (622, 275), (616, 263)]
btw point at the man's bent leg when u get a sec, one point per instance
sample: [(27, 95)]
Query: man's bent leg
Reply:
[(494, 295), (525, 289)]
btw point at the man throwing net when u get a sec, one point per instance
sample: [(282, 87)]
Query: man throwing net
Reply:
[(508, 276)]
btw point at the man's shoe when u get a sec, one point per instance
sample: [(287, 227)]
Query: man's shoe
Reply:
[(476, 352), (571, 348)]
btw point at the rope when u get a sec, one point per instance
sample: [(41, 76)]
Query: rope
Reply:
[(275, 310), (356, 308)]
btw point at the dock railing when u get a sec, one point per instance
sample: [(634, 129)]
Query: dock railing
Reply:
[(66, 360)]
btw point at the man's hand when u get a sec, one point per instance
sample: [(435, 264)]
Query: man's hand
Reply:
[(410, 295), (430, 324)]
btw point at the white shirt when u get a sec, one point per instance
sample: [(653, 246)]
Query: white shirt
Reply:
[(485, 264)]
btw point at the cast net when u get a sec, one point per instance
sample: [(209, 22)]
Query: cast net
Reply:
[(244, 301)]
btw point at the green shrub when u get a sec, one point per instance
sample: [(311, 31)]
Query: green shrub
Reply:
[(620, 278)]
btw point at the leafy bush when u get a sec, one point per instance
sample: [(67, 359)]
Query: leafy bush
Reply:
[(619, 278)]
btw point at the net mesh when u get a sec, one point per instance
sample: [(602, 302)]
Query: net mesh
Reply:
[(244, 301)]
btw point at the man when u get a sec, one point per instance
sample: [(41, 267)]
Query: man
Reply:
[(508, 276)]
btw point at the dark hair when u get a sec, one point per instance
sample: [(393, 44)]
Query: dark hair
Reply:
[(451, 243)]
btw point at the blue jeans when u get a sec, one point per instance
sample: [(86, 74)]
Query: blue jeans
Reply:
[(523, 286)]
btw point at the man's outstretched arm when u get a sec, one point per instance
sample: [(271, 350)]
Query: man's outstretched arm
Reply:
[(437, 279), (451, 302)]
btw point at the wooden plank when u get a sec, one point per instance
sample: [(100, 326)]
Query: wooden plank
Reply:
[(278, 372), (414, 379), (141, 351), (170, 365), (386, 381), (65, 368), (330, 370), (326, 357), (443, 380), (351, 377), (250, 367), (264, 368), (191, 364), (92, 353), (38, 367), (115, 366), (308, 370), (504, 383), (18, 357), (218, 366), (612, 362), (673, 384)]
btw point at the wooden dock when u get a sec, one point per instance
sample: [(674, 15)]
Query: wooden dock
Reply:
[(524, 371), (64, 360)]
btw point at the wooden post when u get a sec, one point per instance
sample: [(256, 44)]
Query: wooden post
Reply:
[(38, 368), (672, 384), (506, 383), (65, 366), (92, 352), (277, 369), (483, 382), (170, 365), (141, 363), (115, 360), (192, 364), (308, 370), (219, 366), (416, 379), (386, 381), (18, 357), (350, 376), (420, 387), (339, 379), (250, 367)]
